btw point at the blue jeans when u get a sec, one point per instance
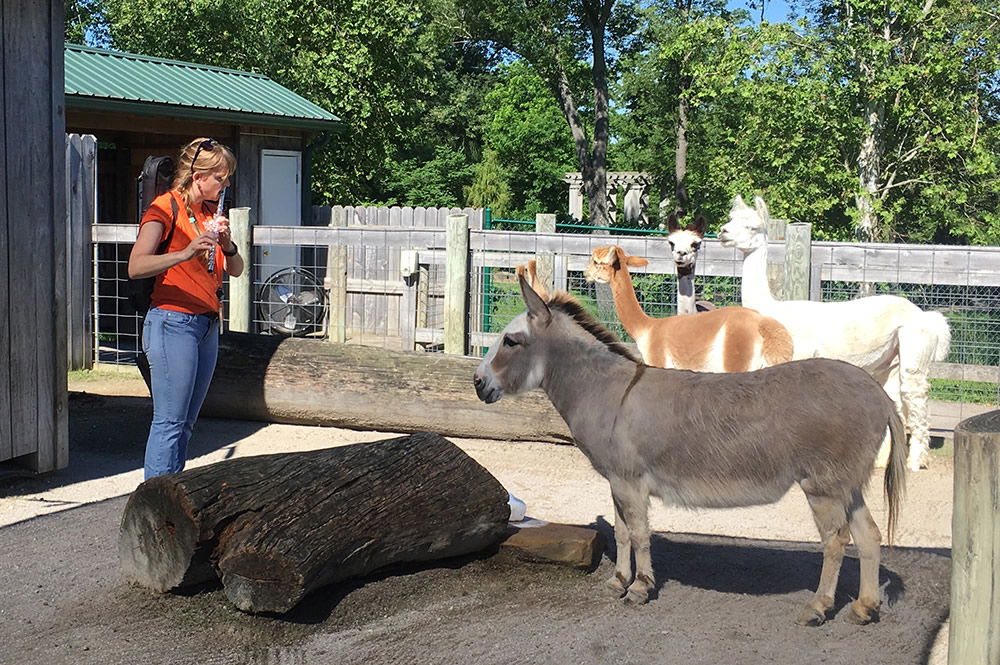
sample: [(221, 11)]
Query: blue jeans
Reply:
[(181, 349)]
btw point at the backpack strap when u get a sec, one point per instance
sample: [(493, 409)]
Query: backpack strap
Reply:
[(173, 225)]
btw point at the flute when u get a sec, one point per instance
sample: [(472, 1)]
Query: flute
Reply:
[(213, 227)]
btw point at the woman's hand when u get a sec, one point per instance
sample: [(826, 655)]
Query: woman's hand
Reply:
[(200, 245), (225, 237)]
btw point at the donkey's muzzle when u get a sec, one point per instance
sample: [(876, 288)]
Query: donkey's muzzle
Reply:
[(485, 390)]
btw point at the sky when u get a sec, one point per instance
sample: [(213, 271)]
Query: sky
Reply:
[(775, 11)]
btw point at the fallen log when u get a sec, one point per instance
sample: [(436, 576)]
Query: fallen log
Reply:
[(302, 381), (275, 527)]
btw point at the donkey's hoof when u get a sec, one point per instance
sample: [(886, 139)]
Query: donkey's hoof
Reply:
[(615, 586), (810, 616), (636, 597), (860, 614)]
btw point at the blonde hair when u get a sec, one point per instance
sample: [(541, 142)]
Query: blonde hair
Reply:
[(213, 156)]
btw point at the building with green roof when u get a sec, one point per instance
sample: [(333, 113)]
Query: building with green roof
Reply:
[(139, 106)]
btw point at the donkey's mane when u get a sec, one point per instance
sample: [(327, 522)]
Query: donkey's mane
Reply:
[(567, 304)]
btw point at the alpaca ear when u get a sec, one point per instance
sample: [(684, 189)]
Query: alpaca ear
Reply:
[(636, 261), (536, 306), (761, 208), (672, 224), (738, 202), (698, 225)]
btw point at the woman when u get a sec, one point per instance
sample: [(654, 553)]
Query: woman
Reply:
[(181, 332)]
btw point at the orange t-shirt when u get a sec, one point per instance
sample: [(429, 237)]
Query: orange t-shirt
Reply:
[(188, 286)]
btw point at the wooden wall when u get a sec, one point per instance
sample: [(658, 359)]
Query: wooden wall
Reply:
[(33, 418)]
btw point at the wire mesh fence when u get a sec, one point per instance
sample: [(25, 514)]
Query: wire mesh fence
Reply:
[(394, 283)]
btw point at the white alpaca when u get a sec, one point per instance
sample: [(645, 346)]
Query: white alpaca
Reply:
[(728, 339), (888, 336), (685, 241)]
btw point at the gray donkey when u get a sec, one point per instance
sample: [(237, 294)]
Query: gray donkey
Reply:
[(708, 440)]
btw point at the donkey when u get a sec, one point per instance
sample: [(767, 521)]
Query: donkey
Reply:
[(708, 440), (728, 339)]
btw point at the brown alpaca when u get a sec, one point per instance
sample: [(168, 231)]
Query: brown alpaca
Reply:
[(728, 339)]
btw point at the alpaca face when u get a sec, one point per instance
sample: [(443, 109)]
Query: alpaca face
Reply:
[(745, 229), (684, 246), (602, 266)]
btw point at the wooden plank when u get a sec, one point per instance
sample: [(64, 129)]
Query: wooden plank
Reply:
[(456, 293), (798, 267), (959, 372), (54, 441), (6, 183), (29, 188)]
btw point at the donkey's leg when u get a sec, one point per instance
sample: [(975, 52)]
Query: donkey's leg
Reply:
[(916, 350), (632, 506), (868, 540), (623, 542), (830, 515)]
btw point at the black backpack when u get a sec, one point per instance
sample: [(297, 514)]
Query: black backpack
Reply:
[(156, 178)]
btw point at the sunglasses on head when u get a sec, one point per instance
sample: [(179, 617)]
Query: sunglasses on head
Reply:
[(207, 145)]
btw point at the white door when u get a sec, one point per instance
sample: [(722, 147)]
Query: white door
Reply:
[(280, 205)]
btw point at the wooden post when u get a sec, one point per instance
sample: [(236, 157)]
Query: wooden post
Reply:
[(974, 633), (798, 260), (336, 283), (456, 286), (544, 262), (241, 288), (409, 273), (776, 269)]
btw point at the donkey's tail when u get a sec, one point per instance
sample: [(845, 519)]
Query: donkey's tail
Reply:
[(895, 470)]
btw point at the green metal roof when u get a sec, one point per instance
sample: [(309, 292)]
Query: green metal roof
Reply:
[(99, 79)]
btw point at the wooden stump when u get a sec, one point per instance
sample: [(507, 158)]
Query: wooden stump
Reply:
[(303, 381), (275, 527), (974, 631)]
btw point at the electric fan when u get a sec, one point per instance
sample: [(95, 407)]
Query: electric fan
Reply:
[(292, 302)]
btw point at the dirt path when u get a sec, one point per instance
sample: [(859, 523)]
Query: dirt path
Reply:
[(723, 599)]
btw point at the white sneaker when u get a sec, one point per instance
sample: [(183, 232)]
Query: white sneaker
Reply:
[(517, 508)]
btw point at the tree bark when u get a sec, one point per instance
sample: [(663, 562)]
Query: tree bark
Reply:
[(300, 381), (276, 527)]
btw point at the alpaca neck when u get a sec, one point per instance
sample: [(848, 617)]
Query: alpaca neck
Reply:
[(685, 290), (756, 292), (627, 306)]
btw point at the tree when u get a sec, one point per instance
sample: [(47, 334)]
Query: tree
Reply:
[(368, 61), (489, 187), (566, 42), (919, 85), (524, 126), (82, 19)]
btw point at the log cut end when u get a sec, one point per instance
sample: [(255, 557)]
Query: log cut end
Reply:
[(158, 536)]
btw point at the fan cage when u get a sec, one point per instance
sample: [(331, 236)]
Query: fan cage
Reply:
[(292, 303)]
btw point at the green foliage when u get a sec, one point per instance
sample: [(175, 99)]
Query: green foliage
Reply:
[(489, 187), (448, 101), (528, 134)]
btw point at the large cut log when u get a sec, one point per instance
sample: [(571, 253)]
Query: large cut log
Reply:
[(275, 527), (302, 381)]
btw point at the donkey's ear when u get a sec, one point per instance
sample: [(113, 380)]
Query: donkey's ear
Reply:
[(536, 306), (672, 224), (698, 225)]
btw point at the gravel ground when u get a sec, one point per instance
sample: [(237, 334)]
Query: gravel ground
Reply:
[(730, 581)]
